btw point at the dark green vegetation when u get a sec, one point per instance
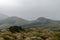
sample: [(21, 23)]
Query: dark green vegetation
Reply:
[(14, 29)]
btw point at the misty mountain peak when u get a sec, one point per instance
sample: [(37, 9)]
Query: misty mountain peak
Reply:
[(42, 18), (2, 16)]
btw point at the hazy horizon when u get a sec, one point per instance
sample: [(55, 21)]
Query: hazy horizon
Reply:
[(31, 9)]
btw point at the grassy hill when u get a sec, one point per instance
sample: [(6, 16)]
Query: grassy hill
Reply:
[(41, 22), (14, 21)]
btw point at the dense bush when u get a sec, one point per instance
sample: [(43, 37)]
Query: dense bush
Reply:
[(6, 38), (16, 29)]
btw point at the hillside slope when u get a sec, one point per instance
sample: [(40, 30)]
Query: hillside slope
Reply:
[(14, 21), (2, 16)]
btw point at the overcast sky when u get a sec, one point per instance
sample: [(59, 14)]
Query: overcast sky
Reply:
[(31, 9)]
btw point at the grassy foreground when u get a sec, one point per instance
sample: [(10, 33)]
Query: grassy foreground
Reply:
[(29, 34)]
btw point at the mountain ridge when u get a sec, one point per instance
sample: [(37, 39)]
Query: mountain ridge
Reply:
[(40, 22), (3, 16)]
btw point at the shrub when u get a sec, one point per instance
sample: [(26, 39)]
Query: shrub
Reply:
[(6, 38), (16, 29)]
